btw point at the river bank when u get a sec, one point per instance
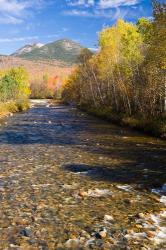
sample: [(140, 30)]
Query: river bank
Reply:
[(10, 107), (155, 127)]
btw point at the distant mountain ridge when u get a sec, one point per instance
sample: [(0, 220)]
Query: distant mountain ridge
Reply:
[(64, 50), (27, 48)]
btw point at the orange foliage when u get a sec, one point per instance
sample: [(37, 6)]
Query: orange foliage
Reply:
[(52, 82)]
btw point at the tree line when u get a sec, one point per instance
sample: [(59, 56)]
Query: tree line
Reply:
[(127, 75)]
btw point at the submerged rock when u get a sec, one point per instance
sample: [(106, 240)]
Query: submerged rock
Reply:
[(103, 233), (108, 218), (73, 244), (26, 232), (126, 188), (83, 193), (99, 192)]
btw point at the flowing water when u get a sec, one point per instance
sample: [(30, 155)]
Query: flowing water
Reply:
[(71, 181)]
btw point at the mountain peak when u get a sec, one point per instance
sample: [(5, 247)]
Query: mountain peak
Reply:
[(64, 50), (27, 48)]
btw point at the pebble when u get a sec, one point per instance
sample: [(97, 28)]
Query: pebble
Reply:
[(150, 234), (128, 201), (72, 243), (138, 226), (126, 188), (20, 221), (13, 246), (25, 232), (90, 242), (41, 206), (99, 192), (141, 215), (103, 233), (83, 193), (108, 218)]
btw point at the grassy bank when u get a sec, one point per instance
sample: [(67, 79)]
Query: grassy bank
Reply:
[(13, 106), (155, 127)]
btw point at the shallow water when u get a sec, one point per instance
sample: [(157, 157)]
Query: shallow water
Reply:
[(70, 181)]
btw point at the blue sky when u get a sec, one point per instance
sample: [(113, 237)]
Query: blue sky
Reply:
[(28, 21)]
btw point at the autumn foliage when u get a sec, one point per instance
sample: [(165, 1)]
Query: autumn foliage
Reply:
[(14, 84), (127, 75), (45, 77)]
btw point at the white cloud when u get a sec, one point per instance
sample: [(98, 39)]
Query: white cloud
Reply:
[(85, 3), (97, 13), (75, 12), (15, 11), (12, 7), (76, 3), (101, 8), (105, 4), (7, 19)]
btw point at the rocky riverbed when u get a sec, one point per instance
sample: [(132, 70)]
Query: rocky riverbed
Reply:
[(70, 181)]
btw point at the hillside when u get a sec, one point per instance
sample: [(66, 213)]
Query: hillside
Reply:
[(63, 50), (36, 69)]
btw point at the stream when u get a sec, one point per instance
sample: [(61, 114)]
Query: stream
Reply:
[(72, 181)]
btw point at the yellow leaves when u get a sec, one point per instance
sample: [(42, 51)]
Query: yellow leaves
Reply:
[(120, 49), (14, 84), (21, 77), (121, 42), (2, 73), (127, 73)]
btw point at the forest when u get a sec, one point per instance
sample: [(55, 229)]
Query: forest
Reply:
[(125, 81)]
